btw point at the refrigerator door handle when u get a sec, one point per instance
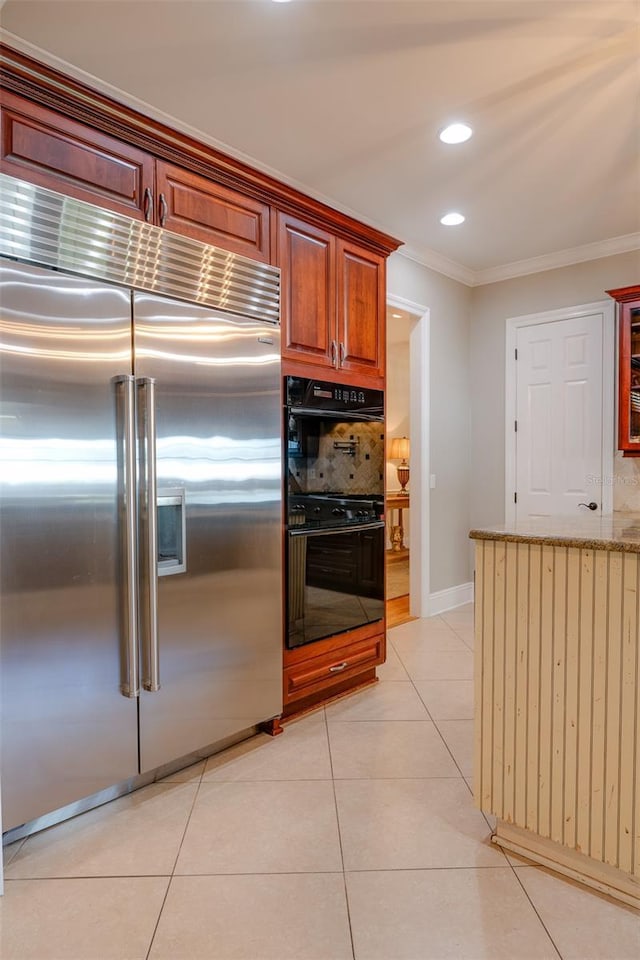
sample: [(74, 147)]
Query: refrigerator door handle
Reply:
[(125, 392), (147, 505)]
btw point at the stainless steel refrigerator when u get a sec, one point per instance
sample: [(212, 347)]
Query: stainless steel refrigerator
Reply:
[(140, 503)]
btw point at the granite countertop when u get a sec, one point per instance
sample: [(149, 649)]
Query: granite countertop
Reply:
[(620, 531)]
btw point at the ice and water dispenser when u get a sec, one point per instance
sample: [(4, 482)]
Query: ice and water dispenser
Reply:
[(172, 557)]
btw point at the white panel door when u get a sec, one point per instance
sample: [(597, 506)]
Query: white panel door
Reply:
[(559, 416)]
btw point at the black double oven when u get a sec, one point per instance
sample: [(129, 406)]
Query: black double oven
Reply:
[(334, 507)]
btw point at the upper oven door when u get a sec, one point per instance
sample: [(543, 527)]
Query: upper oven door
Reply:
[(326, 455), (335, 581)]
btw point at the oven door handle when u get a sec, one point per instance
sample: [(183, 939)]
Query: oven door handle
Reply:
[(348, 416), (346, 528)]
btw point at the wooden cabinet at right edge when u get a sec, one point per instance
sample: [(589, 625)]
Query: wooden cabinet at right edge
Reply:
[(628, 300), (333, 303)]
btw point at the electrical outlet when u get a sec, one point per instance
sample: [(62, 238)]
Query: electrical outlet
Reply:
[(311, 473), (432, 481)]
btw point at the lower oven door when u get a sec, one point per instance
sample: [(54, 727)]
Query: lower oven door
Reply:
[(335, 581)]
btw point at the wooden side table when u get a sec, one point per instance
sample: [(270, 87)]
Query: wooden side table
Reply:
[(396, 501)]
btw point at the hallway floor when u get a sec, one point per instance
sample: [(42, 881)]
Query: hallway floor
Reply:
[(352, 835)]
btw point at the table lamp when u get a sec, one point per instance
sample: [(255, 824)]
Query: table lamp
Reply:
[(400, 451)]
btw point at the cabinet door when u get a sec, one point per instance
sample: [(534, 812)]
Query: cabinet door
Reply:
[(628, 369), (361, 310), (43, 147), (192, 205), (306, 256)]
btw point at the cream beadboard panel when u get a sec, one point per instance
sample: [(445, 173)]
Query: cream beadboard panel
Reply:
[(557, 756)]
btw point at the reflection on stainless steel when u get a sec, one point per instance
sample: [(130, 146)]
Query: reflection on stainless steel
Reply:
[(79, 559), (218, 438), (48, 228), (204, 458), (66, 729)]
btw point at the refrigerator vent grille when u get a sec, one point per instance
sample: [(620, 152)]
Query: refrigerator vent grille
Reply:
[(47, 228)]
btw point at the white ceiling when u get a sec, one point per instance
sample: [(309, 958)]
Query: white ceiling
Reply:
[(345, 98)]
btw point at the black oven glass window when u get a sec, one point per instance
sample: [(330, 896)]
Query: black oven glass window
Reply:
[(335, 583)]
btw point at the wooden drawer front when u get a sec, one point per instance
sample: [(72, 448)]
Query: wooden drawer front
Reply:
[(45, 148), (191, 205), (315, 674)]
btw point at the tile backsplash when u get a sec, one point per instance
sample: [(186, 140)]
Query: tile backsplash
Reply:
[(355, 466), (626, 484)]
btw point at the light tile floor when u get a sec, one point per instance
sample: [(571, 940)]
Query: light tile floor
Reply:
[(353, 835)]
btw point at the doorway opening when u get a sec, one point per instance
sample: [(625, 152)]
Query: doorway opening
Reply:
[(407, 445)]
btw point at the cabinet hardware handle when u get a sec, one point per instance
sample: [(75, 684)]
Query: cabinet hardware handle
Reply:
[(334, 354), (163, 210), (148, 203), (590, 506), (339, 667), (343, 353)]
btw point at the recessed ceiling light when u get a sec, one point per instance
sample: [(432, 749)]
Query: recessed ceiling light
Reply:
[(456, 133), (281, 1), (397, 316), (452, 219)]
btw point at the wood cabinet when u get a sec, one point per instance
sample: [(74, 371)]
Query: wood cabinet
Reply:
[(306, 256), (329, 667), (43, 147), (333, 304), (361, 311), (628, 299), (200, 208)]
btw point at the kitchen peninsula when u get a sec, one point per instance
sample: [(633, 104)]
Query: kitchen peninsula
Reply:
[(557, 674)]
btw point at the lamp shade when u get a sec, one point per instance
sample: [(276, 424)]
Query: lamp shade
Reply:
[(399, 449)]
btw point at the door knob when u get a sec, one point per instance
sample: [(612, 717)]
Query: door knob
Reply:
[(590, 506)]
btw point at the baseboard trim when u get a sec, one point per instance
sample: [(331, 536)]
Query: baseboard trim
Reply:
[(570, 863), (450, 598)]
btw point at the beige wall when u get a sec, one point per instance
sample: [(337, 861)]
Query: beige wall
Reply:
[(492, 304), (466, 391), (449, 303)]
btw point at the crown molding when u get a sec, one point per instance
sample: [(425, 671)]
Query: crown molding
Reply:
[(441, 264), (561, 258), (521, 268), (136, 103)]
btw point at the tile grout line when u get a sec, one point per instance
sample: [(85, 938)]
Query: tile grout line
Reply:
[(335, 803), (175, 862), (411, 680), (534, 908), (508, 863), (15, 853), (446, 745)]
